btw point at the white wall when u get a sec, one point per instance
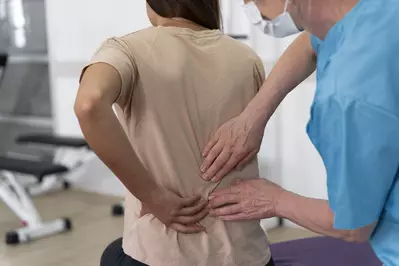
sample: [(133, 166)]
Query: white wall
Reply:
[(292, 162), (76, 29), (302, 170)]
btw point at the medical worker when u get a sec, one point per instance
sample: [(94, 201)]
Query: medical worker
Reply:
[(354, 122)]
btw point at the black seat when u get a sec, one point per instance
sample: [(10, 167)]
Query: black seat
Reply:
[(3, 64), (37, 169), (3, 60), (52, 140), (239, 36)]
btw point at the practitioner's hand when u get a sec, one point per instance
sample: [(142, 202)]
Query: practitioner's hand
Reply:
[(246, 200), (180, 214), (233, 145)]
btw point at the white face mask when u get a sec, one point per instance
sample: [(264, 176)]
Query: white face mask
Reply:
[(280, 27)]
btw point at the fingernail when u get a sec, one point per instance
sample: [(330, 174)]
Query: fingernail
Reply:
[(210, 197), (203, 169), (215, 179), (205, 177)]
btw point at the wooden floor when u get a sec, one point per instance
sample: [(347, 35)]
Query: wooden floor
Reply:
[(94, 228)]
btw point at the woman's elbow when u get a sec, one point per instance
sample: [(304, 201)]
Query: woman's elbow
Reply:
[(86, 106), (83, 108)]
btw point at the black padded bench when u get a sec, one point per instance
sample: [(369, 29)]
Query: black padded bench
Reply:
[(3, 60), (239, 36), (16, 196), (3, 64), (37, 169), (52, 140)]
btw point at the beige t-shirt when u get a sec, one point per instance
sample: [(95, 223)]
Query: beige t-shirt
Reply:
[(178, 86)]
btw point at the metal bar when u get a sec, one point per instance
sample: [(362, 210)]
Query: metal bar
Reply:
[(239, 36), (28, 58), (27, 210), (27, 120), (21, 156)]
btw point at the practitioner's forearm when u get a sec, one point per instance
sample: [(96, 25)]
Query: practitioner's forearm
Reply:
[(296, 64), (316, 215), (106, 137)]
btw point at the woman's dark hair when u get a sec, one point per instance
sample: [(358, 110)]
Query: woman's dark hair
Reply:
[(203, 12)]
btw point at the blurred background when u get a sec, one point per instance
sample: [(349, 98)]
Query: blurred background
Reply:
[(45, 44)]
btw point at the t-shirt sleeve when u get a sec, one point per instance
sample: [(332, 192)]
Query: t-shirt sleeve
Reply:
[(115, 53), (359, 146), (259, 73)]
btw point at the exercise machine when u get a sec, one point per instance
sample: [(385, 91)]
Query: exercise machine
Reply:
[(118, 209), (17, 198), (50, 176), (3, 64), (64, 145), (17, 195), (69, 152)]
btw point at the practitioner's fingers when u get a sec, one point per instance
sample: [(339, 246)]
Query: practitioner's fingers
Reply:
[(212, 142), (227, 210), (222, 200), (217, 164), (233, 189), (214, 153), (236, 217)]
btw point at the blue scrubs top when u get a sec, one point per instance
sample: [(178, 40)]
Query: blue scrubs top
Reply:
[(354, 121)]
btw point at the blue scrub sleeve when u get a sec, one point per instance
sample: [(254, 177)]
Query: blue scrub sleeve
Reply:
[(359, 145)]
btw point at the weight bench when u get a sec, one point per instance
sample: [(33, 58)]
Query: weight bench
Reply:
[(3, 64), (53, 140), (118, 209), (18, 200), (65, 143), (65, 146)]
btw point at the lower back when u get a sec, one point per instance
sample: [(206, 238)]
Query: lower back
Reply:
[(189, 86), (242, 243)]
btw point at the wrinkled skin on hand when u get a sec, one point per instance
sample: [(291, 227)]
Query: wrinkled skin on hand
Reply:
[(246, 200), (232, 146)]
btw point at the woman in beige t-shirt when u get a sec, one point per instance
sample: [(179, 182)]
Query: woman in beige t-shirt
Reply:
[(172, 85)]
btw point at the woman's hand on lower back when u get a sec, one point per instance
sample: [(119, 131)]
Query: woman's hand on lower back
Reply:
[(180, 214), (232, 146)]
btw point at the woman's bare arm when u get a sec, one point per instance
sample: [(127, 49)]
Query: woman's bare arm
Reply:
[(99, 89)]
